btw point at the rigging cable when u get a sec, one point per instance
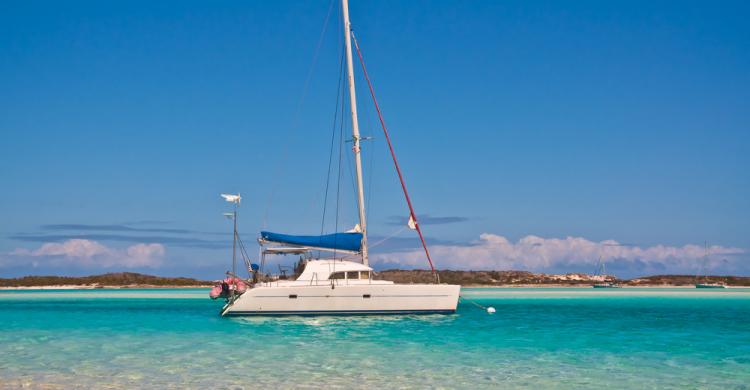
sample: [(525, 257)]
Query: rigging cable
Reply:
[(333, 137), (393, 154), (295, 120), (396, 233), (371, 167), (338, 172), (243, 252)]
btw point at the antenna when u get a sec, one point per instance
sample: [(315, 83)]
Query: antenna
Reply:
[(236, 199)]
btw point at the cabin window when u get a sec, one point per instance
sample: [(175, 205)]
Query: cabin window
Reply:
[(337, 275), (365, 295), (292, 296), (364, 275), (352, 275)]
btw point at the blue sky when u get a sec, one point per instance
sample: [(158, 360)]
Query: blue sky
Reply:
[(614, 129)]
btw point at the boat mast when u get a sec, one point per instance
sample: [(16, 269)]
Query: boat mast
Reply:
[(355, 128)]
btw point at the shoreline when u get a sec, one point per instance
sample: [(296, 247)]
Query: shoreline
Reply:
[(579, 286), (466, 279), (177, 287), (100, 287)]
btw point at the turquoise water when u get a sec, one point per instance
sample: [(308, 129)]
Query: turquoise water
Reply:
[(538, 338)]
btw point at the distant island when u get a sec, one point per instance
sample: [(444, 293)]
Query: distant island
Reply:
[(116, 279), (464, 278), (525, 278)]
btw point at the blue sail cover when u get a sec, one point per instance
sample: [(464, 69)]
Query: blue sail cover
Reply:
[(351, 242)]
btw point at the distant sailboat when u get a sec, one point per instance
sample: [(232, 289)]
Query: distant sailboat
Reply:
[(602, 272), (704, 272)]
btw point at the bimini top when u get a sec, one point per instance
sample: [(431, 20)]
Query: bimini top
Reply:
[(350, 242)]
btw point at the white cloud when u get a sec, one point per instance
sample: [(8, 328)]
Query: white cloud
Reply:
[(494, 252), (88, 253)]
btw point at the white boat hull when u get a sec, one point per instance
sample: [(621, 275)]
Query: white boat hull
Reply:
[(345, 300)]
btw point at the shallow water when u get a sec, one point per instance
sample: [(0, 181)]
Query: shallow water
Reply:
[(538, 338)]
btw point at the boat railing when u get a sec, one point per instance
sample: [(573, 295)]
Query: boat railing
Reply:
[(316, 282)]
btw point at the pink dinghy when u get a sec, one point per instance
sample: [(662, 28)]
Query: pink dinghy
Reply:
[(224, 288)]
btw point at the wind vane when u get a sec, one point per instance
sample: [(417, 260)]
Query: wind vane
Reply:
[(232, 198)]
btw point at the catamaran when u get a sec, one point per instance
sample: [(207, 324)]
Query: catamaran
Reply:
[(331, 286)]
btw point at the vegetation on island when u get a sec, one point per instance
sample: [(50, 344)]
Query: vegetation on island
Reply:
[(521, 278), (111, 279), (464, 278), (681, 280)]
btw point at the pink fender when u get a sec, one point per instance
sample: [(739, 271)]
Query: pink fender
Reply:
[(215, 292)]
